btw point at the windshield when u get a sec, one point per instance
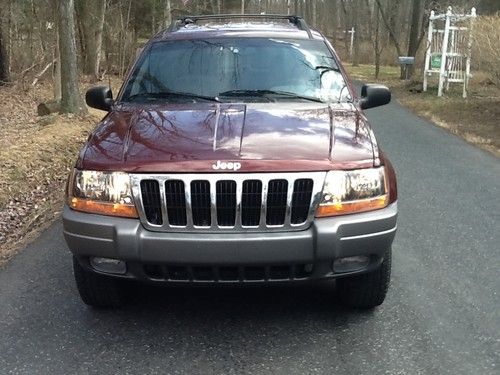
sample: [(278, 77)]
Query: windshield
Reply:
[(228, 69)]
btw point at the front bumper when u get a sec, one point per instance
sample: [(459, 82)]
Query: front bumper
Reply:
[(328, 239)]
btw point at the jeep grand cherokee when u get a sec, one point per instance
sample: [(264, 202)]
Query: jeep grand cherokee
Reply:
[(235, 152)]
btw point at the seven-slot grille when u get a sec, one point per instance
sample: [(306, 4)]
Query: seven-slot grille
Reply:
[(227, 202)]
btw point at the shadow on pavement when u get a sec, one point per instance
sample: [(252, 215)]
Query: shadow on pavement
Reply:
[(189, 304)]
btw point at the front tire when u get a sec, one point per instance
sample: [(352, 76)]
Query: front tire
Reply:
[(368, 290), (98, 290)]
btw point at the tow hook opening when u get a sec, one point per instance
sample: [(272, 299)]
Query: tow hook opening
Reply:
[(351, 264), (109, 265)]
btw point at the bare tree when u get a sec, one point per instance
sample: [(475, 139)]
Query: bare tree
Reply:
[(56, 72), (264, 6), (71, 101), (4, 69), (378, 46), (91, 23), (215, 4), (416, 30), (167, 12), (357, 31), (314, 13), (4, 56), (392, 34)]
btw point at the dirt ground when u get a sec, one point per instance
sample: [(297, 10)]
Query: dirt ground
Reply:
[(36, 155), (476, 119)]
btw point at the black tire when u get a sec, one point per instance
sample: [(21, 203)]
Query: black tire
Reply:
[(98, 290), (368, 290)]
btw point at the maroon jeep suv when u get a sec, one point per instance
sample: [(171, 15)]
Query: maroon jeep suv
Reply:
[(236, 152)]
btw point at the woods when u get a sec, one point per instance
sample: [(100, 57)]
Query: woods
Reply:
[(101, 37)]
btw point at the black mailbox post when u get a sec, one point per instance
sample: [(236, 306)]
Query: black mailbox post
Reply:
[(405, 62)]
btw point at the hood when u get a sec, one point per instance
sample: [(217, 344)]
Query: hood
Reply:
[(261, 137)]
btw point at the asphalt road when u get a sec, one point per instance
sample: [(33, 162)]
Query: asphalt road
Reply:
[(441, 315)]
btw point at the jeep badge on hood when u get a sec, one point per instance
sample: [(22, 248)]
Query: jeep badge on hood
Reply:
[(229, 165)]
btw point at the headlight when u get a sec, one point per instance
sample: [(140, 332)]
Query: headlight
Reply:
[(105, 193), (348, 192)]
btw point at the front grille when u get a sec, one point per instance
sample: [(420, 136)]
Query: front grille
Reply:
[(302, 192), (200, 203), (175, 197), (251, 202), (150, 191), (276, 202), (228, 202), (237, 273)]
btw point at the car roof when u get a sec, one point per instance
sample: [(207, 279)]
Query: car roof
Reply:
[(269, 26)]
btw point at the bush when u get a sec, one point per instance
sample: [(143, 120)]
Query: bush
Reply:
[(486, 47)]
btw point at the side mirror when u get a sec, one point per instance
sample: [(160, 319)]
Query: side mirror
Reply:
[(99, 97), (374, 96)]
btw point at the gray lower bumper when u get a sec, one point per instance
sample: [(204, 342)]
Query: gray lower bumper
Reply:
[(327, 239)]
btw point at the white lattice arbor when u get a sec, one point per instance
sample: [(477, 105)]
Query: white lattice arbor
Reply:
[(449, 46)]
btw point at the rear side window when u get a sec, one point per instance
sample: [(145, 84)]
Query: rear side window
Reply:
[(213, 66)]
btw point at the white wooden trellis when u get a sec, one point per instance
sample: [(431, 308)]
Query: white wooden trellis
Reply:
[(448, 52)]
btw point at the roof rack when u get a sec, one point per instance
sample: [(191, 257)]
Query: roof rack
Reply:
[(295, 20)]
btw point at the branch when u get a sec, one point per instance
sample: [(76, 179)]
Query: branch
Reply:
[(25, 71), (39, 75), (389, 29)]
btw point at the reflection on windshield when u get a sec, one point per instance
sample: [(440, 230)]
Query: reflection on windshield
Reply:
[(304, 69)]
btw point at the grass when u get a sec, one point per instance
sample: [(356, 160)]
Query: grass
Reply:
[(366, 73), (475, 119)]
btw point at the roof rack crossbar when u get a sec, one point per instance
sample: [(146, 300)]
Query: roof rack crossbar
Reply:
[(296, 20)]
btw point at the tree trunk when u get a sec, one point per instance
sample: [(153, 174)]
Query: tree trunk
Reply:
[(98, 36), (71, 101), (377, 45), (4, 69), (346, 28), (4, 56), (357, 34), (56, 72), (213, 6), (332, 18), (91, 14), (314, 13), (392, 34), (414, 42), (307, 10), (167, 13)]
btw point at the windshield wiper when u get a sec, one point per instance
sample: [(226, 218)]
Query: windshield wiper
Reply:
[(171, 94), (268, 93), (327, 68)]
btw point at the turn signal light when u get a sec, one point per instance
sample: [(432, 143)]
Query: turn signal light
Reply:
[(342, 208), (103, 208)]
